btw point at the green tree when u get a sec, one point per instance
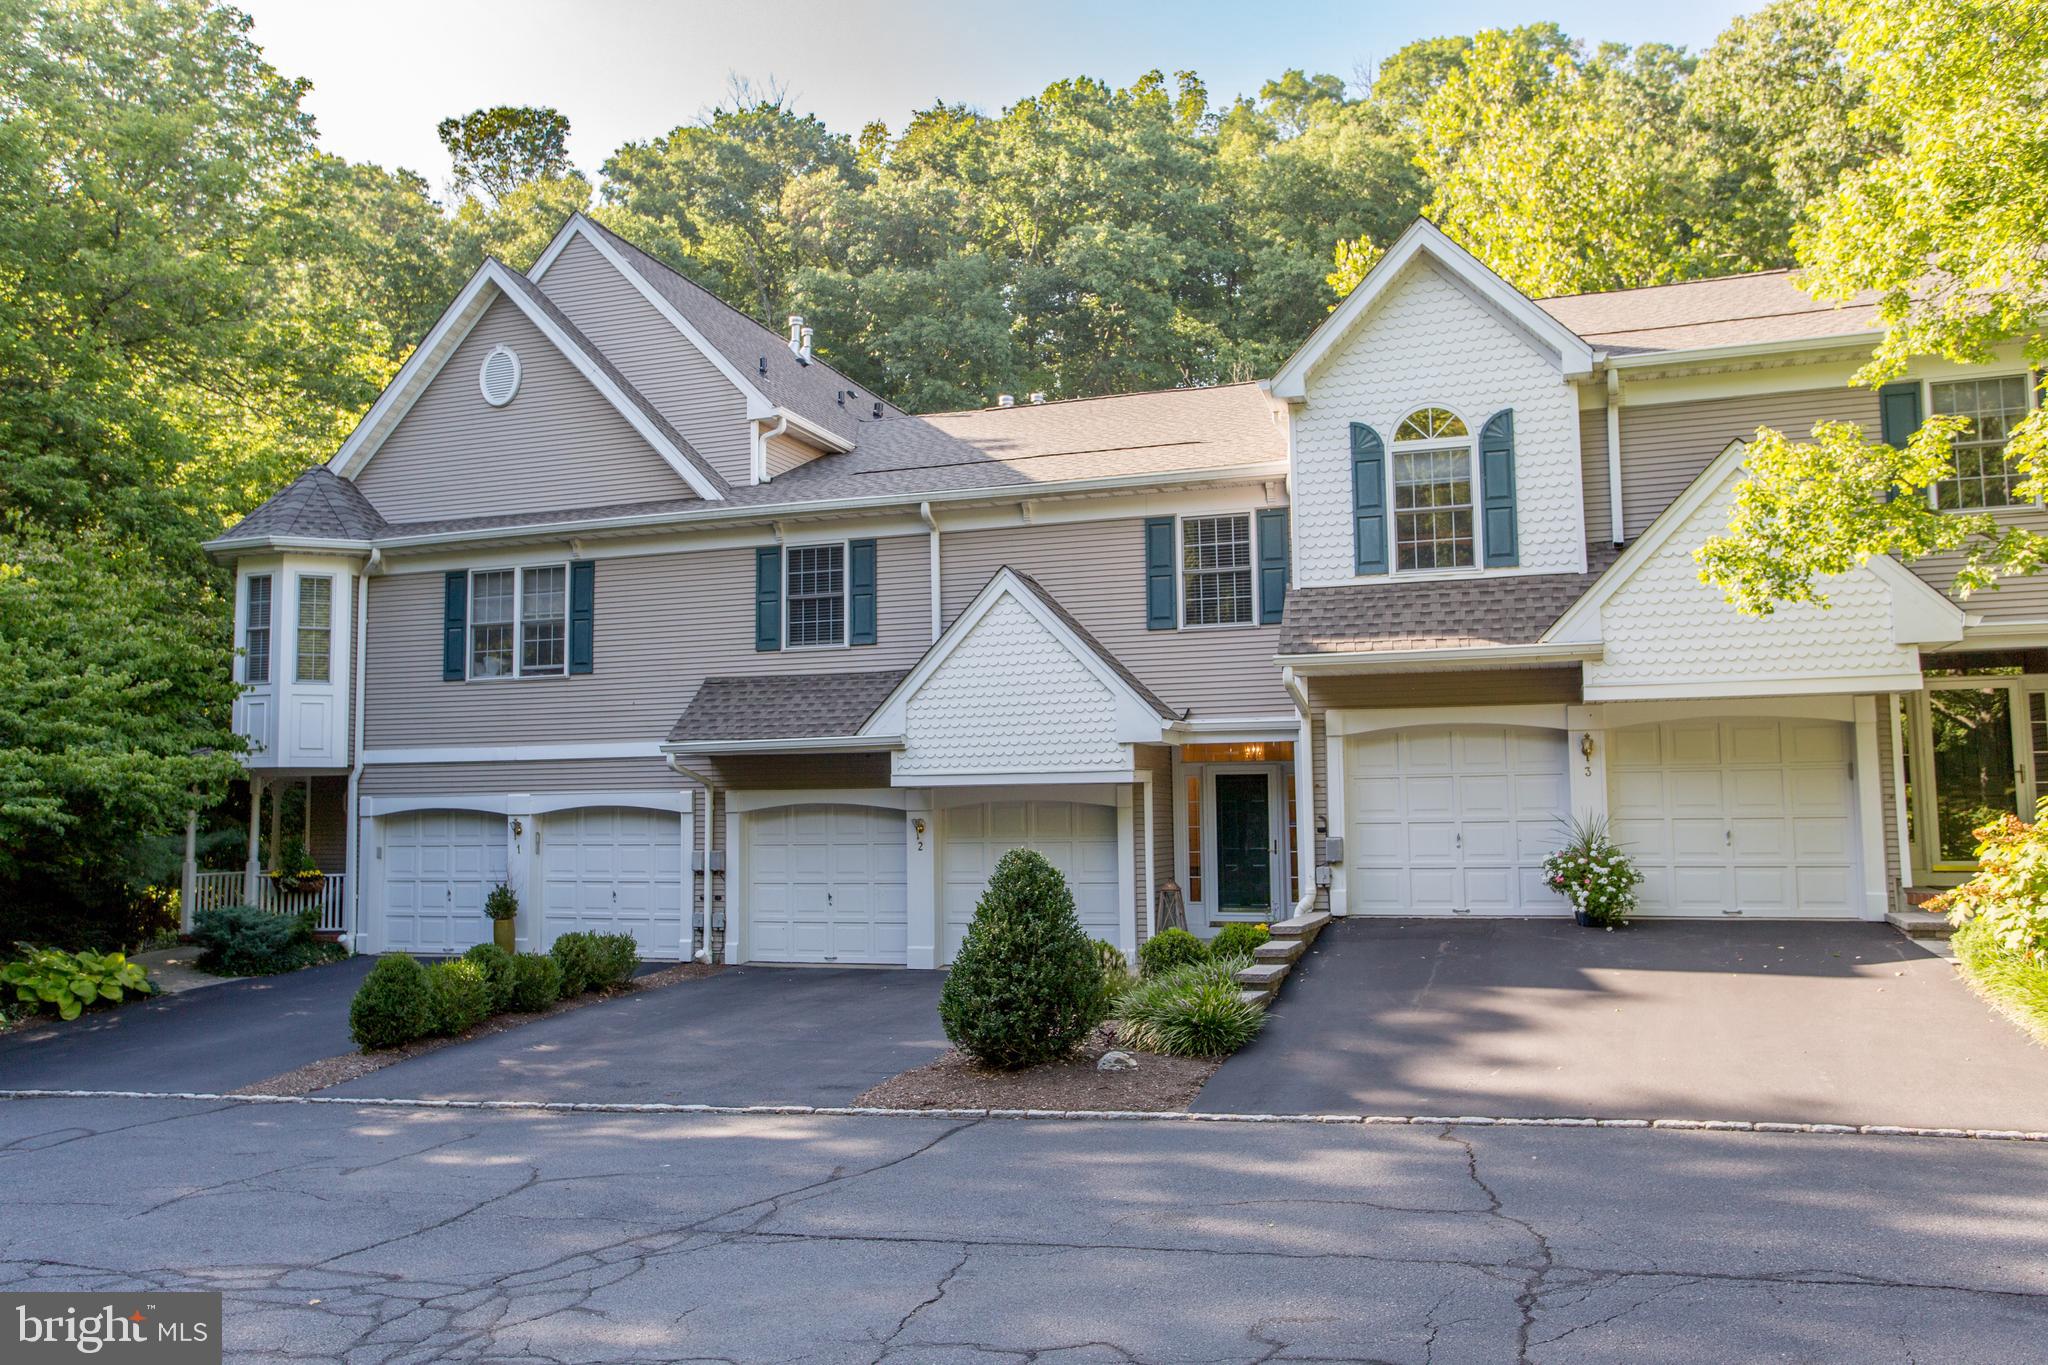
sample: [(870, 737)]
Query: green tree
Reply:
[(498, 149), (1945, 232)]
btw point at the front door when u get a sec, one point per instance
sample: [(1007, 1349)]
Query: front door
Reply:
[(1244, 847)]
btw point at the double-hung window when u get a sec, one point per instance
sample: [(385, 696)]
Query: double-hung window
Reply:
[(256, 631), (518, 622), (1983, 478), (1432, 478), (815, 594), (1216, 570), (316, 630)]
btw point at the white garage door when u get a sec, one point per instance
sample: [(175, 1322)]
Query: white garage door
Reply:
[(1736, 816), (1076, 837), (614, 870), (826, 884), (1453, 820), (438, 867)]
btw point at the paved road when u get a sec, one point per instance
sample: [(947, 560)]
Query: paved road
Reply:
[(363, 1235), (1833, 1023)]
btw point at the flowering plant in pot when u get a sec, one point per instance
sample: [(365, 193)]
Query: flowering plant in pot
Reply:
[(1593, 873), (296, 870), (503, 908)]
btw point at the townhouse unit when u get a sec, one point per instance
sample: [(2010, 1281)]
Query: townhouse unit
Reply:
[(636, 605)]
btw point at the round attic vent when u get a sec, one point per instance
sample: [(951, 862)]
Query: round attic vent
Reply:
[(499, 376)]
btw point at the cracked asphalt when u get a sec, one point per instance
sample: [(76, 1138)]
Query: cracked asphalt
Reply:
[(363, 1234)]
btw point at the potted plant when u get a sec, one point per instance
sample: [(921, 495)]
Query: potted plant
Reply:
[(1593, 873), (503, 908), (296, 871)]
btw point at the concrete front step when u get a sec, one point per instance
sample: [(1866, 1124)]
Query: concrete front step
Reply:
[(1251, 997), (1919, 923), (1264, 976), (1303, 927), (1280, 950)]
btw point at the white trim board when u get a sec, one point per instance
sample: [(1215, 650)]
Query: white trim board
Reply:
[(513, 753), (524, 803)]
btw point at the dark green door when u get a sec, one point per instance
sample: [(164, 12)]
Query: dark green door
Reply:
[(1244, 832)]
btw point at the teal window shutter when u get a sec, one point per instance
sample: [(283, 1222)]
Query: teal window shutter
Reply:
[(768, 597), (1497, 489), (1272, 564), (582, 616), (454, 625), (860, 581), (1368, 500), (1161, 610), (1898, 409)]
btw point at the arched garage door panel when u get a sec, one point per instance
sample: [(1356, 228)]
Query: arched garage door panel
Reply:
[(1076, 837), (438, 867), (826, 884), (614, 870)]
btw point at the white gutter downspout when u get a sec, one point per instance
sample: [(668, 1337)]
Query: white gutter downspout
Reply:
[(352, 864), (1304, 795), (761, 440), (924, 512), (702, 954), (1614, 517)]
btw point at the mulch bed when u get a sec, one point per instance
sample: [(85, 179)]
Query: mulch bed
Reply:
[(329, 1071), (952, 1082)]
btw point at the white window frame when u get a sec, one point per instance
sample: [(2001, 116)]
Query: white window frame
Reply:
[(299, 627), (1927, 383), (518, 572), (269, 628), (1469, 444), (2020, 690), (1180, 569), (845, 594)]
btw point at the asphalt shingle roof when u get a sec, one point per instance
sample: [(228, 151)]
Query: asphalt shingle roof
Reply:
[(783, 706), (317, 505), (1387, 617), (1734, 310)]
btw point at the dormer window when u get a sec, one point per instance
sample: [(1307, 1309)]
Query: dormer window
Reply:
[(1432, 479)]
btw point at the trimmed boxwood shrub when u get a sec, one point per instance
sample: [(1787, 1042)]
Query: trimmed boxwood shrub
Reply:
[(576, 955), (615, 956), (1238, 939), (497, 965), (536, 982), (462, 995), (1196, 1010), (1026, 985), (240, 940), (1168, 949), (394, 1005)]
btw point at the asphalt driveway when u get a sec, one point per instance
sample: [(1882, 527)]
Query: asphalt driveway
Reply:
[(213, 1040), (1825, 1023), (748, 1035)]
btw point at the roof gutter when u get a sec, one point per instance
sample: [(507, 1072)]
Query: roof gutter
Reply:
[(1848, 341), (808, 744), (311, 544), (1454, 656)]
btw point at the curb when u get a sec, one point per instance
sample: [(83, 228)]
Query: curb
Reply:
[(1887, 1130)]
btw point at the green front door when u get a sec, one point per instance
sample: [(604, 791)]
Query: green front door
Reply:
[(1244, 832)]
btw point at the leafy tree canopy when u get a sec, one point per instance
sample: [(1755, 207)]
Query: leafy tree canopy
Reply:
[(496, 150)]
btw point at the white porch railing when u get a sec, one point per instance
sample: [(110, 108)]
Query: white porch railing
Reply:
[(214, 890)]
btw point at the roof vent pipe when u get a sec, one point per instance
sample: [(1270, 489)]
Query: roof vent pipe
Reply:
[(1006, 400), (805, 354), (1037, 397), (796, 333)]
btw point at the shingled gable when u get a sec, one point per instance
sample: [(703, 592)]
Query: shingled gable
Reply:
[(314, 507), (494, 281)]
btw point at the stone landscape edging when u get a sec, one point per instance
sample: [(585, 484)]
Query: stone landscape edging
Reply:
[(1767, 1126)]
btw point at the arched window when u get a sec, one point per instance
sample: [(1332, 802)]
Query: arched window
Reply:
[(1432, 479)]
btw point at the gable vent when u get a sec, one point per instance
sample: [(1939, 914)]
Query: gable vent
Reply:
[(499, 376)]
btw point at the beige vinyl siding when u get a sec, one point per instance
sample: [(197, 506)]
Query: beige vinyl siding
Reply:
[(785, 453), (1593, 475), (558, 444), (1887, 741), (498, 779), (1664, 447), (2014, 599), (684, 386), (328, 843), (663, 623), (1097, 571)]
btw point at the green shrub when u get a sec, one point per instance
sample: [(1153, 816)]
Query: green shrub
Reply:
[(1026, 985), (497, 965), (2009, 894), (575, 954), (1168, 949), (462, 995), (536, 982), (1116, 973), (613, 959), (1238, 939), (50, 978), (394, 1005), (240, 940), (2015, 984), (1195, 1010)]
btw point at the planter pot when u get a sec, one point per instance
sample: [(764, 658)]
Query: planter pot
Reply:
[(1583, 920), (298, 886), (503, 933)]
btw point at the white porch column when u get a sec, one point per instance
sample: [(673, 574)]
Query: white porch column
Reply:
[(1870, 811), (736, 937), (1126, 870), (254, 867), (921, 879), (1333, 801), (188, 881)]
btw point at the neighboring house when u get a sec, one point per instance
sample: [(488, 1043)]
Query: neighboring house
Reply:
[(624, 599)]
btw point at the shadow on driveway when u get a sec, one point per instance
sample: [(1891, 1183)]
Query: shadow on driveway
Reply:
[(1833, 1023), (748, 1035)]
